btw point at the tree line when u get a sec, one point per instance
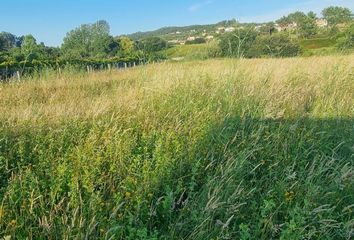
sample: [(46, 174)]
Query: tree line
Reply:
[(93, 44), (88, 41), (89, 45), (268, 41)]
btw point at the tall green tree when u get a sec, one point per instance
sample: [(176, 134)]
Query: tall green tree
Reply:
[(48, 53), (77, 42), (7, 41), (152, 44), (102, 44), (126, 46), (308, 26), (89, 41), (297, 17), (337, 15), (29, 48), (238, 43)]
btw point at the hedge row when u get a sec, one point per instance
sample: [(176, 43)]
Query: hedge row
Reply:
[(73, 62)]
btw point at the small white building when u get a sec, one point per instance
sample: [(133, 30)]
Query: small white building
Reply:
[(191, 38), (230, 29), (321, 23), (258, 27), (173, 41), (291, 26), (220, 30), (210, 37), (285, 27), (278, 27)]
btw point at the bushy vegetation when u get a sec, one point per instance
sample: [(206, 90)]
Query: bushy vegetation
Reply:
[(337, 15), (238, 44), (278, 45), (219, 149), (346, 42), (249, 44), (194, 52), (87, 44), (318, 43)]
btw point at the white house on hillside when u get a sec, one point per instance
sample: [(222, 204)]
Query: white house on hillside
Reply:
[(230, 29), (190, 38), (321, 22), (285, 27)]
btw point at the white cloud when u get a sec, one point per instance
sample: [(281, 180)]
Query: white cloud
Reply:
[(198, 6)]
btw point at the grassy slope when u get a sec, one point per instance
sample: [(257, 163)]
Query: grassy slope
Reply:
[(318, 43), (228, 149), (193, 52), (317, 47)]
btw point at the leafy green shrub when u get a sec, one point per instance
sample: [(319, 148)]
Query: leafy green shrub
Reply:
[(152, 44), (276, 45), (347, 41), (238, 43)]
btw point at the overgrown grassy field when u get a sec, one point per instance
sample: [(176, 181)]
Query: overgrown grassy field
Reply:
[(319, 47), (193, 51), (217, 149), (318, 43)]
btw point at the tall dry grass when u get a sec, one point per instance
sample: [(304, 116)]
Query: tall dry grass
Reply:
[(217, 149)]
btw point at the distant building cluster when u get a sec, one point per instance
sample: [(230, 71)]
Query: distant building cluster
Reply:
[(285, 27), (193, 35), (321, 23)]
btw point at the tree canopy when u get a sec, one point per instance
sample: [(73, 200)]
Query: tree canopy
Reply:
[(90, 41), (152, 44), (276, 45), (337, 15), (7, 41), (347, 41), (238, 44), (126, 46)]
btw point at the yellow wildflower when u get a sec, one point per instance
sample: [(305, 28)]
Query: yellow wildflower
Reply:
[(128, 195), (2, 212), (289, 196)]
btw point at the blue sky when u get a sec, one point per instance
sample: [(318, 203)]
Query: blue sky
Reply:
[(50, 20)]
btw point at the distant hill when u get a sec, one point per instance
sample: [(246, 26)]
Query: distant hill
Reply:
[(165, 32), (169, 30)]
